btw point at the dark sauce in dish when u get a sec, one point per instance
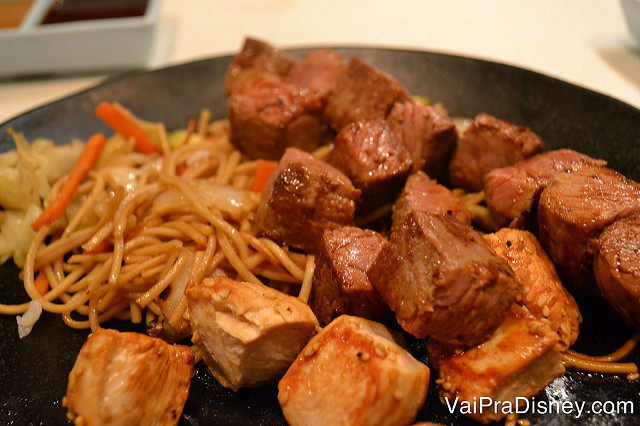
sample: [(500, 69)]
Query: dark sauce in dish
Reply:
[(82, 10)]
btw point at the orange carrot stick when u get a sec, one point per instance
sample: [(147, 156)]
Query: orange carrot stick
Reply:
[(120, 123), (263, 171), (41, 283), (103, 247), (89, 157)]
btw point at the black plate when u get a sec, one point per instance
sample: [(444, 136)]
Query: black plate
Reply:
[(33, 371)]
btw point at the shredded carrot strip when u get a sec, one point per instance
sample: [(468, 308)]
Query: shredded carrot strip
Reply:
[(41, 283), (120, 123), (89, 157), (263, 171)]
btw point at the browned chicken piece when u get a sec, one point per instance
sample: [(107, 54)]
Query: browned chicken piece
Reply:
[(544, 296), (256, 58), (487, 144), (319, 71), (249, 334), (268, 115), (340, 282), (512, 192), (362, 92), (353, 373), (126, 378), (617, 266), (518, 361), (429, 135), (574, 209), (303, 197), (421, 193), (375, 160), (442, 279)]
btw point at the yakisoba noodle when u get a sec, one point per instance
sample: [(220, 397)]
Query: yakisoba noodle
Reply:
[(156, 247)]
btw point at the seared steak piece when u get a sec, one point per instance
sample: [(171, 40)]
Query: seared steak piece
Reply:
[(617, 266), (519, 359), (443, 280), (128, 378), (574, 209), (319, 71), (249, 334), (268, 115), (303, 197), (487, 144), (362, 92), (353, 372), (374, 159), (421, 193), (512, 192), (256, 58), (340, 282), (429, 135), (544, 296)]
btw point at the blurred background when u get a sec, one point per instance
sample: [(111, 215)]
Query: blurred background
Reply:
[(586, 43)]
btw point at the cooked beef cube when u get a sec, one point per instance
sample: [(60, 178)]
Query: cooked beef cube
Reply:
[(443, 280), (519, 359), (421, 193), (574, 209), (268, 115), (319, 71), (340, 282), (256, 58), (544, 296), (487, 144), (303, 197), (128, 378), (428, 133), (249, 334), (374, 159), (353, 373), (512, 192), (362, 91), (617, 266)]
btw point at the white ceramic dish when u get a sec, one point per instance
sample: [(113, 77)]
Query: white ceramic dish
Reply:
[(631, 9), (91, 45)]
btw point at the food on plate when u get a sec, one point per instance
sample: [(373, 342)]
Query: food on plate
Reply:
[(353, 372), (124, 378), (324, 199), (517, 361), (487, 144), (422, 193), (512, 192), (248, 334), (375, 160), (340, 282), (443, 280), (543, 295), (575, 208), (617, 266), (429, 135), (303, 197)]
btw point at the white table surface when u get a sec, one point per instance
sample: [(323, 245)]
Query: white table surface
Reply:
[(585, 42)]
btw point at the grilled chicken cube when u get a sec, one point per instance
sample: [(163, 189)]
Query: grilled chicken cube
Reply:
[(443, 280), (353, 372), (617, 266), (517, 361), (544, 295), (487, 144), (126, 378), (249, 334)]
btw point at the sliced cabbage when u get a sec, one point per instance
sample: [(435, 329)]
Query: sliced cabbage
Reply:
[(29, 318)]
